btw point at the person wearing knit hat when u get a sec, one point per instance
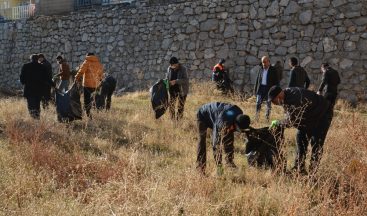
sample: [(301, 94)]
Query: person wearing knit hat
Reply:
[(224, 119), (311, 115), (178, 87)]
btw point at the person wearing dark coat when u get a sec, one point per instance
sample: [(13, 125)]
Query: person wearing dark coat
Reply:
[(47, 91), (106, 89), (298, 75), (35, 79), (223, 119), (178, 87), (329, 83), (310, 114), (267, 77)]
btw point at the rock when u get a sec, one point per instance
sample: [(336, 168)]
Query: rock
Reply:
[(283, 3), (209, 53), (263, 3), (209, 25), (253, 73), (305, 17), (253, 12), (306, 61), (303, 46), (166, 43), (252, 60), (349, 45), (360, 21), (337, 3), (281, 51), (188, 11), (230, 31), (273, 10), (292, 8), (345, 64), (257, 24), (362, 45), (322, 3), (329, 44)]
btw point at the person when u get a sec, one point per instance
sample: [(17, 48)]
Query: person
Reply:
[(106, 89), (178, 87), (64, 73), (221, 78), (266, 78), (46, 97), (298, 75), (330, 80), (35, 79), (91, 71), (279, 68), (310, 114), (224, 119)]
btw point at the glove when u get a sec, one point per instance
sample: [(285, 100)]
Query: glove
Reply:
[(274, 124)]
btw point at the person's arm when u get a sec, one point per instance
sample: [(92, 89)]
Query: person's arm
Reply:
[(292, 79), (257, 82), (167, 74), (22, 75), (307, 81), (81, 71), (184, 79)]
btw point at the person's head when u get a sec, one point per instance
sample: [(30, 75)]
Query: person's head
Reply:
[(265, 61), (222, 61), (89, 54), (276, 95), (242, 122), (174, 63), (41, 57), (293, 62), (324, 67), (33, 58), (59, 59)]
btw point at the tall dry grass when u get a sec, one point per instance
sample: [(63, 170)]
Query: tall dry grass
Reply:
[(125, 162)]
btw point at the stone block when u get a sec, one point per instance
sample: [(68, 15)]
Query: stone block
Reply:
[(305, 17), (209, 25)]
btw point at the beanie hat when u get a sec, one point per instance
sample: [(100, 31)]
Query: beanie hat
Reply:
[(273, 92), (242, 122), (173, 60)]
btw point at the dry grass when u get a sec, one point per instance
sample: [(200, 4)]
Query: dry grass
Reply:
[(127, 163)]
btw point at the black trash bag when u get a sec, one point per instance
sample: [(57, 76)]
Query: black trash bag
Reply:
[(105, 89), (263, 147), (159, 98), (68, 105)]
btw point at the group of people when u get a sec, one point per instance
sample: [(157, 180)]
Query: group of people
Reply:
[(38, 80)]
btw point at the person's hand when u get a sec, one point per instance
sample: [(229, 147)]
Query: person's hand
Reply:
[(318, 92), (172, 82), (274, 124)]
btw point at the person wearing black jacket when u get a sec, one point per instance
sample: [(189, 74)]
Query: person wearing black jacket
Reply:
[(105, 91), (330, 80), (46, 97), (35, 79), (223, 119), (310, 114), (298, 75), (267, 77)]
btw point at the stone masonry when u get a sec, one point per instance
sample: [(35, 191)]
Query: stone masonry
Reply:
[(135, 43)]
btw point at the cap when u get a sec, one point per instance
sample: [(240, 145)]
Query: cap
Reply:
[(273, 92), (242, 122), (173, 60)]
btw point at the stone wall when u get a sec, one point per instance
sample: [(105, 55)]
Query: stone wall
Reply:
[(134, 44)]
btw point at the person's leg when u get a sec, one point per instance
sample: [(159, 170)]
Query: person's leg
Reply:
[(201, 147), (228, 140), (172, 104), (34, 106), (64, 85), (318, 140), (181, 106), (302, 143), (88, 99), (259, 100), (109, 100), (268, 107)]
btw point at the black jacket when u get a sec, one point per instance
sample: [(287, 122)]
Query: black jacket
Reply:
[(48, 67), (271, 80), (35, 79), (299, 78), (218, 116), (331, 80), (303, 108)]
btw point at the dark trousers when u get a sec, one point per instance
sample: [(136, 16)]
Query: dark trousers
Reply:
[(317, 137), (262, 95), (88, 99), (46, 98), (34, 106), (226, 142), (174, 97)]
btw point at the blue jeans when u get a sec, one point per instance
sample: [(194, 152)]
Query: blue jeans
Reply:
[(64, 85), (262, 95)]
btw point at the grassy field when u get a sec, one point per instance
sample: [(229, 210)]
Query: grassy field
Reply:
[(125, 162)]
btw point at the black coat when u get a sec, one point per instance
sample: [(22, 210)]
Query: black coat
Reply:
[(299, 78), (330, 80), (48, 67), (35, 79), (303, 108), (271, 80)]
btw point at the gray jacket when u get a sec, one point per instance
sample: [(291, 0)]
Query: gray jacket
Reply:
[(182, 79)]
